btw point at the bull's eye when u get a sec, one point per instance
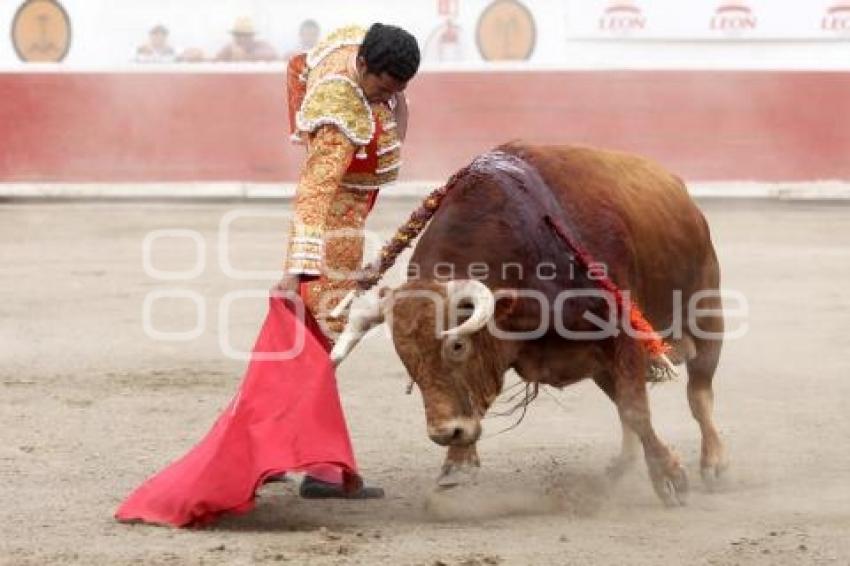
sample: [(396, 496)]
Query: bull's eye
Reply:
[(457, 348)]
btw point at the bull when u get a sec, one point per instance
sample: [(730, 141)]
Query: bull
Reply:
[(490, 288)]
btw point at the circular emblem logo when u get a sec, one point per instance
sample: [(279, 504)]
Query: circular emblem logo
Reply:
[(41, 31), (506, 32)]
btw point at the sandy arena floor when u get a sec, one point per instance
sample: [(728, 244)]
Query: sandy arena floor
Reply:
[(90, 406)]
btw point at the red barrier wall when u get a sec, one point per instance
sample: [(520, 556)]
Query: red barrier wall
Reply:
[(134, 127)]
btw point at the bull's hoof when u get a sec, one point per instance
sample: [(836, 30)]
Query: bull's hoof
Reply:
[(672, 486), (454, 476), (669, 479), (713, 475)]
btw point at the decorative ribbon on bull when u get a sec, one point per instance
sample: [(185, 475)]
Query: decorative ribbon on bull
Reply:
[(651, 341)]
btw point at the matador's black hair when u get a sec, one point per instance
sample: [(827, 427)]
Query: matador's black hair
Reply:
[(390, 49)]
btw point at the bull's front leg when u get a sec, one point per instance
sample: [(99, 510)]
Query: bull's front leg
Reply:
[(668, 476), (630, 446), (629, 453), (460, 466)]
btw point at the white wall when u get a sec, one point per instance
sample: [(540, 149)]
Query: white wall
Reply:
[(675, 33)]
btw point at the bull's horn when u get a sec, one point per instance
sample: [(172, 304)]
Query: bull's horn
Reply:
[(360, 322), (345, 304), (483, 302)]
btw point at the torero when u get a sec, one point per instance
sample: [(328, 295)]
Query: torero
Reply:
[(346, 103)]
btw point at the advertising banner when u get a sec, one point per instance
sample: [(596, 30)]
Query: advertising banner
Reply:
[(709, 19), (543, 32)]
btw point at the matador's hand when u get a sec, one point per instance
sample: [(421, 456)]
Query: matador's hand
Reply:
[(289, 284)]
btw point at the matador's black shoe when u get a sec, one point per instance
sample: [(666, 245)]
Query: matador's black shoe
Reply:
[(312, 488), (278, 478)]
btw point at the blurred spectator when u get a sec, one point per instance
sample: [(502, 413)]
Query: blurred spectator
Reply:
[(245, 47), (308, 37), (157, 49)]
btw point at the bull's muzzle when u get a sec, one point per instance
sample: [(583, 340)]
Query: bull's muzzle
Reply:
[(455, 432)]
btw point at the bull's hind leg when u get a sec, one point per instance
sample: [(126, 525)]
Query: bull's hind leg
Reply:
[(701, 399), (669, 478), (706, 331)]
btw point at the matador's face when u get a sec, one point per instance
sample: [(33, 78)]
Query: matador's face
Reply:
[(378, 87)]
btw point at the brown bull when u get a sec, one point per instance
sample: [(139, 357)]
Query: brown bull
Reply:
[(491, 288)]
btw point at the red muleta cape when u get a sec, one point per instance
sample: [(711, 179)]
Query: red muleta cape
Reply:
[(286, 416)]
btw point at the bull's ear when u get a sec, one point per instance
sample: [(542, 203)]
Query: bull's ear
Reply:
[(507, 302)]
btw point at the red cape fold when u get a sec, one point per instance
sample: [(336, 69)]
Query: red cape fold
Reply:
[(286, 416)]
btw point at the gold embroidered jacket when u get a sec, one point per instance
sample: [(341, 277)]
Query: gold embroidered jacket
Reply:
[(353, 149)]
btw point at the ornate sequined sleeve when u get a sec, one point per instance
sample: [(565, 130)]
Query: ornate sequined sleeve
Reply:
[(329, 154)]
